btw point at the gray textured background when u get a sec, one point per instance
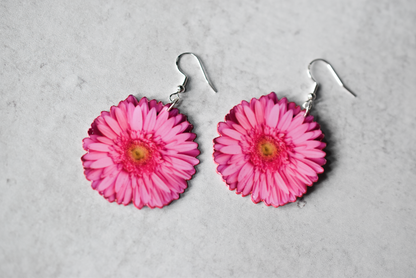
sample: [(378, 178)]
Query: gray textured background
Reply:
[(64, 62)]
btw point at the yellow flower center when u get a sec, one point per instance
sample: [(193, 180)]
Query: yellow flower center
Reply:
[(267, 149), (139, 153)]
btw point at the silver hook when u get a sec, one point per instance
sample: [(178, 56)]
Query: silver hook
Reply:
[(312, 96), (182, 88)]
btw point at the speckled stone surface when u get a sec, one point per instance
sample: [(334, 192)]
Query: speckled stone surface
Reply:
[(63, 63)]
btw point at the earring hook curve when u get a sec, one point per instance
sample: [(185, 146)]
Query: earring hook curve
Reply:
[(201, 65), (182, 88), (334, 73), (312, 96)]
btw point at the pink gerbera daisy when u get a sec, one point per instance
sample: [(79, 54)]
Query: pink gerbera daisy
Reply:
[(140, 152), (268, 149)]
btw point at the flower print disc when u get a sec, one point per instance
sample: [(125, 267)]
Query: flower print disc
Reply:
[(140, 152), (268, 149)]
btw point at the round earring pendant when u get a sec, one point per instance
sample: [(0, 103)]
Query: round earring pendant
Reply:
[(140, 152), (268, 149)]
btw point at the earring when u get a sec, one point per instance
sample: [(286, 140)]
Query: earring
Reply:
[(271, 148), (142, 151)]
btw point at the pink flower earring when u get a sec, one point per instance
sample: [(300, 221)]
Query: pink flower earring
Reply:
[(142, 151), (271, 148)]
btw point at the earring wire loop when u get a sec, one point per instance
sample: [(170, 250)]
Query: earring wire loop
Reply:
[(182, 88), (312, 96)]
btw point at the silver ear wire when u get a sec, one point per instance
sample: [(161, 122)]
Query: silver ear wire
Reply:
[(174, 98), (312, 96)]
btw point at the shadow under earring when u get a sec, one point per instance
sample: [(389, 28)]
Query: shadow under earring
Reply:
[(271, 148), (142, 151)]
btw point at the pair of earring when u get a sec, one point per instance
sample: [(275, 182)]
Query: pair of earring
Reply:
[(143, 151)]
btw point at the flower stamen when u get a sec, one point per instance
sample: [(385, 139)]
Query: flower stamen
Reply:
[(268, 149), (138, 153)]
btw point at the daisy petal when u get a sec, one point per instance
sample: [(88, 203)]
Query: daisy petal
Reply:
[(101, 163), (250, 116), (150, 120), (121, 118), (113, 124), (273, 117), (137, 120), (231, 149)]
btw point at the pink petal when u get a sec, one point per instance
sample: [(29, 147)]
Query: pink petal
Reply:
[(265, 185), (269, 106), (250, 116), (249, 185), (232, 133), (156, 201), (137, 120), (283, 107), (297, 121), (285, 121), (303, 168), (225, 140), (240, 129), (187, 146), (243, 121), (104, 140), (274, 197), (239, 159), (159, 183), (273, 117), (143, 190), (232, 178), (130, 112), (93, 174), (255, 195), (150, 120), (122, 180), (181, 164), (231, 169), (86, 142), (317, 168), (303, 178), (94, 155), (192, 152), (272, 96), (137, 201), (299, 186), (99, 147), (221, 158), (113, 124), (171, 181), (298, 131), (313, 144), (144, 104), (280, 182), (231, 149), (109, 191), (101, 163), (313, 153), (161, 118), (174, 131), (165, 128), (106, 182), (128, 195), (110, 170), (189, 159), (121, 118), (107, 131), (259, 109), (245, 171)]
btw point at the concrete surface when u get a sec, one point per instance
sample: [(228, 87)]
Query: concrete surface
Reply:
[(62, 62)]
